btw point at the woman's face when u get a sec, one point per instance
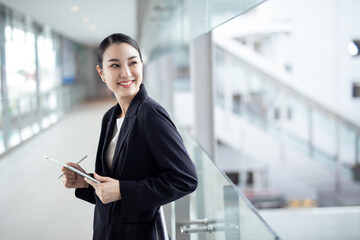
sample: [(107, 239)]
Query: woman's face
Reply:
[(122, 70)]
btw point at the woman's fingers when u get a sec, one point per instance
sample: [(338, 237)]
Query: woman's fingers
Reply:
[(75, 165), (101, 178), (69, 182), (92, 183), (72, 179), (71, 175), (108, 190)]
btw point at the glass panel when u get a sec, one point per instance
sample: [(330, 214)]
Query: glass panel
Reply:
[(220, 71), (256, 109), (47, 63), (28, 116), (357, 150), (182, 97), (298, 119), (298, 135), (68, 62), (182, 69), (298, 123), (237, 96), (347, 147), (2, 143), (14, 134), (220, 11), (25, 111), (20, 61), (217, 199), (356, 167), (170, 24), (324, 133)]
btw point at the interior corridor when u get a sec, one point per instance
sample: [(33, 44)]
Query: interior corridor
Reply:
[(34, 204)]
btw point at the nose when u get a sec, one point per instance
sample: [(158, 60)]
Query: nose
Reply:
[(125, 72)]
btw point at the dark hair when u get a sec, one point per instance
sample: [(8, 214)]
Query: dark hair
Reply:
[(115, 38)]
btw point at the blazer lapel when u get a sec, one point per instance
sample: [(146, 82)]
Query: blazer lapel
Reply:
[(109, 133), (126, 128)]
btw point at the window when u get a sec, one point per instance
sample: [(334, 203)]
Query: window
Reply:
[(47, 63), (20, 61)]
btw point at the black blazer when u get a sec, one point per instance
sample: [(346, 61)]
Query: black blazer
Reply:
[(151, 163)]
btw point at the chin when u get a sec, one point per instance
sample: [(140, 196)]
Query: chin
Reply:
[(126, 92)]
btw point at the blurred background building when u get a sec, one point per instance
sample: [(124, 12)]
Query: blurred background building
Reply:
[(266, 95)]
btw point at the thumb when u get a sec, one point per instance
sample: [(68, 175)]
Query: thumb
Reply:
[(90, 182), (100, 178)]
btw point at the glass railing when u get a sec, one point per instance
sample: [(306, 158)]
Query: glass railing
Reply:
[(167, 25), (218, 209), (286, 113), (26, 115)]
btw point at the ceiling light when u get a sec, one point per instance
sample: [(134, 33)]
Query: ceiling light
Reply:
[(86, 20), (74, 8), (353, 48)]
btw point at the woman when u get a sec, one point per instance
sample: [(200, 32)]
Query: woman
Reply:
[(141, 161)]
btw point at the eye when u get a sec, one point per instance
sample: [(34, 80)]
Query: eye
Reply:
[(114, 65), (133, 63)]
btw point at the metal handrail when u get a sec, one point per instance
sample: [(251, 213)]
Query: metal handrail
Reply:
[(160, 224)]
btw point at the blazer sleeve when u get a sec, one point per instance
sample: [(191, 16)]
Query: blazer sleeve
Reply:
[(86, 194), (177, 176)]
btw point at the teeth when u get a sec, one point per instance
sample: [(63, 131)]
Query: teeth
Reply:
[(125, 83)]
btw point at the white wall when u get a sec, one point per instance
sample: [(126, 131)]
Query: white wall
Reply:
[(349, 67)]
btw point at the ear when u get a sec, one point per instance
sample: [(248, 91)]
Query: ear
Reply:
[(101, 73)]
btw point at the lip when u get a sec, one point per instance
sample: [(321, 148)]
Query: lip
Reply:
[(126, 86)]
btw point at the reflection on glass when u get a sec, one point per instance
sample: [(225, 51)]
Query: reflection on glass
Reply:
[(182, 69), (173, 23), (228, 212), (308, 126), (283, 121)]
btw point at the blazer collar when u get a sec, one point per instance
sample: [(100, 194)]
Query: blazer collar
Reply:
[(140, 96)]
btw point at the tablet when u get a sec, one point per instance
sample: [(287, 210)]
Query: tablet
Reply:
[(72, 169)]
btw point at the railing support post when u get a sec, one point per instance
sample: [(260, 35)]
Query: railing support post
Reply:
[(201, 76)]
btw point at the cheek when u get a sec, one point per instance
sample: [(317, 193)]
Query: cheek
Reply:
[(108, 75), (139, 73)]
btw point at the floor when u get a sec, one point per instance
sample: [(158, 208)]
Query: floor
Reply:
[(33, 203)]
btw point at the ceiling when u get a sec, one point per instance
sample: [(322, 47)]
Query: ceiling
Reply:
[(93, 20)]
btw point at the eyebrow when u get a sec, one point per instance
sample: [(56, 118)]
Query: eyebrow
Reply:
[(117, 60)]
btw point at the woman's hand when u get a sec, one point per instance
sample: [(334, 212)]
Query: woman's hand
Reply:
[(72, 179), (108, 190)]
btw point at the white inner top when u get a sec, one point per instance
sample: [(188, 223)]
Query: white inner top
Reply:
[(111, 149)]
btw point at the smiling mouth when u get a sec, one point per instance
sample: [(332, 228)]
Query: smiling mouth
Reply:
[(126, 83)]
